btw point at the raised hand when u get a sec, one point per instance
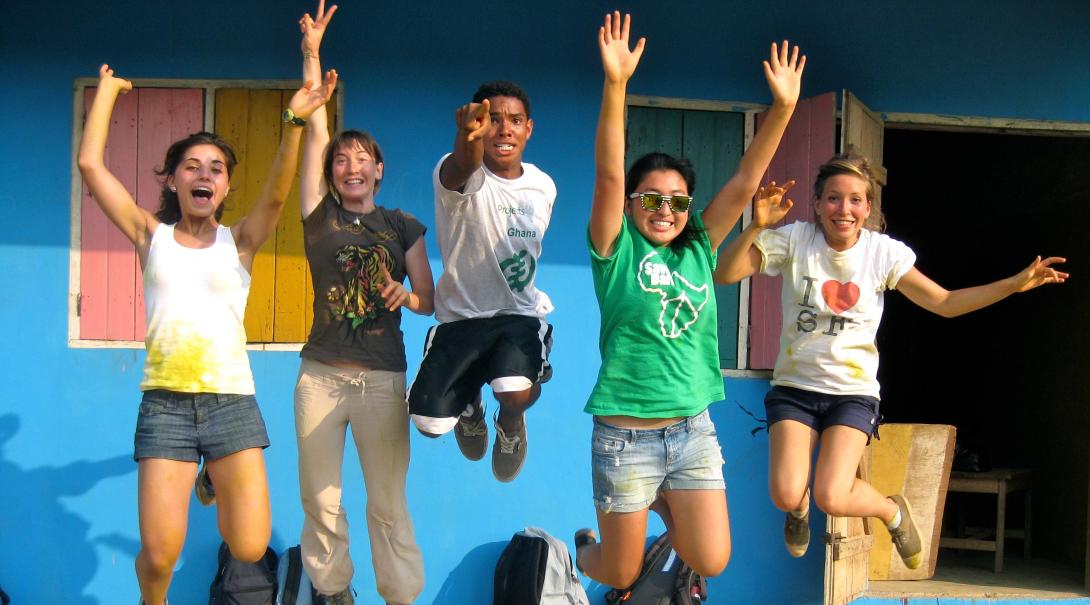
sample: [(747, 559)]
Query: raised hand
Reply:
[(393, 292), (1040, 272), (618, 60), (107, 79), (784, 74), (769, 205), (308, 99), (474, 119), (314, 28)]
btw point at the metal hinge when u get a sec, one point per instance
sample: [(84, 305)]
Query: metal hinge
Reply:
[(79, 304)]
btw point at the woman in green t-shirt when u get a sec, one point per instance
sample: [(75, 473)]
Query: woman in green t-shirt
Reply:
[(654, 446)]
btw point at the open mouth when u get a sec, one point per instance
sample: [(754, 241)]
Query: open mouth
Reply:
[(203, 193), (505, 147)]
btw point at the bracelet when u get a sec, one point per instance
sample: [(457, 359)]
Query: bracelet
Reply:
[(309, 55)]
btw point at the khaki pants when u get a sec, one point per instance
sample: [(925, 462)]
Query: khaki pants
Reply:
[(327, 401)]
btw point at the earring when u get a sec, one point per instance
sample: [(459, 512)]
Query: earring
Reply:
[(173, 189)]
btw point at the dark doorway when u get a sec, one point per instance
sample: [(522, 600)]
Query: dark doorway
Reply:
[(1013, 378)]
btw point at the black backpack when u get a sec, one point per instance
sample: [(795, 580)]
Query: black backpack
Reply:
[(536, 569), (664, 580), (241, 583)]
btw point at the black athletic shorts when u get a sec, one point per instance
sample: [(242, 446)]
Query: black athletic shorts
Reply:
[(461, 356)]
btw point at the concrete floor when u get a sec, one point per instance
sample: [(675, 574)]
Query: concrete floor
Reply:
[(962, 574)]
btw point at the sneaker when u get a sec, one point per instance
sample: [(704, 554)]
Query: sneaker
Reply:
[(206, 492), (471, 432), (344, 597), (508, 453), (796, 532), (906, 538), (583, 537)]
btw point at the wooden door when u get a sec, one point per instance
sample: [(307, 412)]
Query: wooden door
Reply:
[(863, 131), (848, 541), (808, 142)]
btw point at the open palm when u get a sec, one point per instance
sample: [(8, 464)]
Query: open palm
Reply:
[(784, 73), (618, 60)]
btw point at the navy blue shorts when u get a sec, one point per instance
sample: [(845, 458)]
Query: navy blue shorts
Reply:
[(187, 426), (819, 411)]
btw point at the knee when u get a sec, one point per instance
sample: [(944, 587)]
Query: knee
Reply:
[(158, 561), (712, 564), (787, 498), (831, 501), (248, 550), (622, 577)]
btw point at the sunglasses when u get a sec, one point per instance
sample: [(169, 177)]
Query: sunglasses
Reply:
[(651, 202)]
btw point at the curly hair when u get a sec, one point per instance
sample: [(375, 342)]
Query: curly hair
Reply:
[(170, 211), (502, 88)]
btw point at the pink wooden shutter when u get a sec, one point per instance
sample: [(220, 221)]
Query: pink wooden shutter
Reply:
[(806, 145), (145, 122)]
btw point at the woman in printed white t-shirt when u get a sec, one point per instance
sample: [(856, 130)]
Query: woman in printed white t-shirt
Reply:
[(824, 387)]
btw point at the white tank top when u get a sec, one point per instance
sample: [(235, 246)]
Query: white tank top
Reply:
[(195, 300)]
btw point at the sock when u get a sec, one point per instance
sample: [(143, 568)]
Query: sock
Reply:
[(468, 413), (798, 514), (896, 522)]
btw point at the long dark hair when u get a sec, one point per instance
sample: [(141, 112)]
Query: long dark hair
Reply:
[(662, 161), (170, 211)]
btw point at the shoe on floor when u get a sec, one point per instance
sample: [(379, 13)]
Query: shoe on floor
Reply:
[(206, 492), (471, 432), (344, 597), (905, 537), (508, 453), (796, 532)]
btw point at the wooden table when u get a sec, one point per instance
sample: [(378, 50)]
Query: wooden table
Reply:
[(1001, 482)]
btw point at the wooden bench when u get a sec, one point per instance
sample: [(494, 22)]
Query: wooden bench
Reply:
[(1001, 482)]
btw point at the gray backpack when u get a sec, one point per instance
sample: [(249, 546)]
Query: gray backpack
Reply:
[(536, 569)]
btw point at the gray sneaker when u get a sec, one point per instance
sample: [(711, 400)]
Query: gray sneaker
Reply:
[(796, 532), (508, 453), (471, 432), (343, 597), (206, 492), (906, 538)]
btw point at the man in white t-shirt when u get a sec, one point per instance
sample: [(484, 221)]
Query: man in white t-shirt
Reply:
[(491, 212)]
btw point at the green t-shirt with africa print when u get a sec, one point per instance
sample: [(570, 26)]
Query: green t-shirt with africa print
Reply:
[(659, 338)]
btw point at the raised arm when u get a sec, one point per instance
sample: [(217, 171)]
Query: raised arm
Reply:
[(473, 121), (252, 230), (312, 187), (950, 303), (784, 75), (741, 258), (619, 62), (417, 267), (116, 202)]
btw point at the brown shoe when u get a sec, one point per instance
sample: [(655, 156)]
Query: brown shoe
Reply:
[(905, 537), (796, 532), (206, 492), (508, 453), (471, 432)]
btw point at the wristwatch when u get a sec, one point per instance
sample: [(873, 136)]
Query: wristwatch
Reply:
[(290, 117)]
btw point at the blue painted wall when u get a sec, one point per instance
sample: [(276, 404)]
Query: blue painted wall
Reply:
[(68, 529)]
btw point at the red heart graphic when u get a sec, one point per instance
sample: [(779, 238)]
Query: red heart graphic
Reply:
[(840, 297)]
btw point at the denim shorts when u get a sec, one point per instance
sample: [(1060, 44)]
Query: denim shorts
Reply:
[(187, 426), (819, 411), (631, 466)]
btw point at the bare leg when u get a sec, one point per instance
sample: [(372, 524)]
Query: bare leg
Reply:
[(701, 532), (791, 446), (164, 487), (513, 404), (616, 560), (837, 490), (242, 502)]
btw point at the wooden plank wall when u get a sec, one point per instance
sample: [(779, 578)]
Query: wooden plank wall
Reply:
[(143, 125), (713, 141), (808, 143)]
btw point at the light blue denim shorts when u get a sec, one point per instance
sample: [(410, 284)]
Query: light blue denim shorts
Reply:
[(631, 466), (187, 426)]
